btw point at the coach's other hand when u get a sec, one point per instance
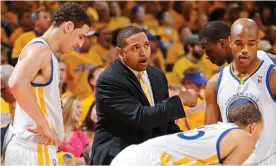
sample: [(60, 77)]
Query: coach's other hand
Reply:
[(189, 97)]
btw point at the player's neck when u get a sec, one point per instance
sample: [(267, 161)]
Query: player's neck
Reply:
[(52, 38), (240, 70)]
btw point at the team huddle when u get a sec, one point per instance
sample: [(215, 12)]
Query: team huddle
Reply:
[(240, 112)]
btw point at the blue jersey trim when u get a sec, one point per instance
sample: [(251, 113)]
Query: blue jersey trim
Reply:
[(219, 140), (273, 60), (267, 81), (254, 72), (51, 79), (198, 135), (219, 81), (241, 82), (52, 65), (29, 45), (232, 74)]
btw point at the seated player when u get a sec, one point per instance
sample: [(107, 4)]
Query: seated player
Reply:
[(224, 143)]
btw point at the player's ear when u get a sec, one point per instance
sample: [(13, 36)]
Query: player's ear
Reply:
[(68, 26), (119, 52), (253, 127)]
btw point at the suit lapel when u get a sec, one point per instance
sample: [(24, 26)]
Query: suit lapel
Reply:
[(132, 78)]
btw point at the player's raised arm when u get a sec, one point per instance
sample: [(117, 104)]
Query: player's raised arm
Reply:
[(212, 113), (33, 60)]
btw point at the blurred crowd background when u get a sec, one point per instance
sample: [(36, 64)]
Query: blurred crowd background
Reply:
[(172, 28)]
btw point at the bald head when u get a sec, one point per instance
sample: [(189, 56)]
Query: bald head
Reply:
[(244, 41), (244, 27)]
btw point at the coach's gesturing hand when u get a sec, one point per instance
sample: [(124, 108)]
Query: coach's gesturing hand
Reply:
[(189, 97)]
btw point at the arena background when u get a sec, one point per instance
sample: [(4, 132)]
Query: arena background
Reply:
[(171, 26)]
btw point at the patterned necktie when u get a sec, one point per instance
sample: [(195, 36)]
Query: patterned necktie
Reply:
[(144, 86)]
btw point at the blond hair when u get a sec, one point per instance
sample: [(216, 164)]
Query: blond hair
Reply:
[(68, 103)]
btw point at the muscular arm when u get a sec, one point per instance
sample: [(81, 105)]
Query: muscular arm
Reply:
[(236, 147), (34, 58), (212, 113)]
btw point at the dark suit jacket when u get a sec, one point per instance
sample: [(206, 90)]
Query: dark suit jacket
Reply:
[(124, 113)]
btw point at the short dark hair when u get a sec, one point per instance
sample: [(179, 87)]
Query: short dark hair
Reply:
[(217, 14), (244, 114), (125, 33), (71, 12), (114, 36), (214, 30)]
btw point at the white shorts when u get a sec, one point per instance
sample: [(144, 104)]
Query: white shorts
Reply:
[(20, 152), (269, 161)]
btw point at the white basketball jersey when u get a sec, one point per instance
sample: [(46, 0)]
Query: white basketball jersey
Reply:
[(254, 89), (48, 98), (266, 57), (193, 147)]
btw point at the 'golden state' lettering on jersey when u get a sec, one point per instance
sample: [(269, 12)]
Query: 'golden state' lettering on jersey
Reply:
[(254, 89)]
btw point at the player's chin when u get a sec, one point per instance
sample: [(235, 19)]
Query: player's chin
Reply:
[(244, 64)]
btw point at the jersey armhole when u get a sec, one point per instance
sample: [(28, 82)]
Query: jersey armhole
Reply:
[(218, 143), (51, 78), (219, 81), (52, 66), (267, 81)]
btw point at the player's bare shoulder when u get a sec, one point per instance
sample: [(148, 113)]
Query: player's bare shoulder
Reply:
[(233, 139), (37, 50), (39, 55)]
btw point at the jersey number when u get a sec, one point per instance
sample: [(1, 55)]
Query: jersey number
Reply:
[(188, 137)]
